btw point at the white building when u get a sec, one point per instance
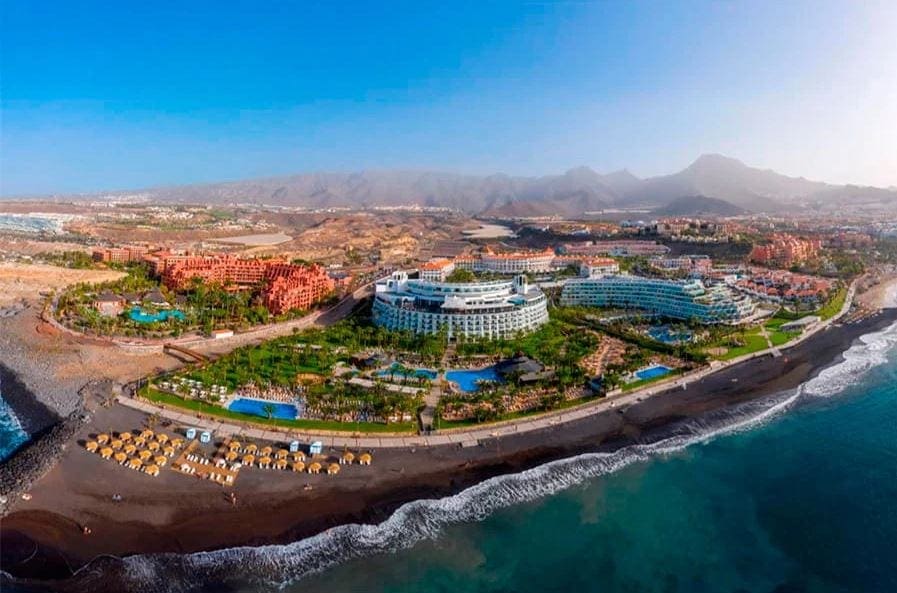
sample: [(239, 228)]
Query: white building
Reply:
[(519, 262), (599, 266), (495, 309), (436, 270)]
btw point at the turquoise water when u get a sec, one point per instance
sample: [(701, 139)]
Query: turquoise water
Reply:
[(140, 316), (667, 335), (12, 436), (467, 379), (256, 407), (657, 370), (399, 371)]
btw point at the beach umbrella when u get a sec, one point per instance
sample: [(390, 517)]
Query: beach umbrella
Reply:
[(145, 454), (266, 451), (135, 463), (160, 460), (168, 451), (162, 438), (91, 446), (248, 459), (147, 434), (298, 466), (177, 443), (299, 456), (120, 457), (116, 444), (106, 452), (280, 464), (102, 438), (264, 461), (130, 448), (365, 459), (233, 445), (333, 469), (347, 458), (152, 470), (153, 446), (251, 448), (125, 436), (282, 453), (139, 441), (231, 456), (314, 468)]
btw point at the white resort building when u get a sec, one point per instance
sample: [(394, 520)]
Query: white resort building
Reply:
[(494, 309), (688, 300), (518, 262)]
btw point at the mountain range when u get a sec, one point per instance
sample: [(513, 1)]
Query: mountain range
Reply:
[(713, 184)]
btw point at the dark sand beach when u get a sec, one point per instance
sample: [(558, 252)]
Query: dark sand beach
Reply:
[(43, 543)]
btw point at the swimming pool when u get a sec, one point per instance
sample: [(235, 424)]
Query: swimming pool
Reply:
[(667, 335), (467, 379), (257, 407), (140, 316), (400, 370), (652, 372)]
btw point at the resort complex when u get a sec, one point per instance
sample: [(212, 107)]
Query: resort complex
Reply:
[(492, 309), (686, 300)]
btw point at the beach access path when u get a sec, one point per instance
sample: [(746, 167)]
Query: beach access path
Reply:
[(473, 435)]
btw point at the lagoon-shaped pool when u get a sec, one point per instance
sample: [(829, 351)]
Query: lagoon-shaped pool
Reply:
[(140, 316), (257, 407), (467, 379), (398, 370)]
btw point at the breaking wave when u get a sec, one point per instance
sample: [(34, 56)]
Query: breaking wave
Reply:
[(273, 567)]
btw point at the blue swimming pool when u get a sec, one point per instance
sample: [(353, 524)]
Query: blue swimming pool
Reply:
[(652, 372), (256, 407), (667, 335), (400, 371), (140, 316), (467, 379)]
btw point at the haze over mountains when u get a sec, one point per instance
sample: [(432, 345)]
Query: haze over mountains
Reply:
[(713, 184)]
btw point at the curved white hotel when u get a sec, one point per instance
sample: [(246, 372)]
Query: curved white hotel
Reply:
[(517, 263), (688, 300), (495, 309)]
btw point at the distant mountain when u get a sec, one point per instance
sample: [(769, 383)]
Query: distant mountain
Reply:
[(699, 205), (573, 193)]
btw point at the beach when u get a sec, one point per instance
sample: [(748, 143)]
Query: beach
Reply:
[(43, 537)]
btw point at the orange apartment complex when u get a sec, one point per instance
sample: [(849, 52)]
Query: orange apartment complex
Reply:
[(785, 251), (119, 255), (283, 286)]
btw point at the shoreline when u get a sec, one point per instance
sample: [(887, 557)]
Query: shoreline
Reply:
[(182, 515)]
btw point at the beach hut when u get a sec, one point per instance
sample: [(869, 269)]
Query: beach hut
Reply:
[(162, 438), (332, 469), (248, 459), (282, 453), (106, 452), (116, 444), (266, 451), (231, 456), (135, 463), (316, 448), (120, 457), (153, 446), (294, 446), (130, 448), (160, 460), (280, 464), (265, 462), (298, 466), (314, 468), (125, 436), (102, 438), (191, 433), (147, 434), (144, 455), (169, 450), (364, 459), (205, 437), (347, 458), (299, 456), (92, 446), (152, 470)]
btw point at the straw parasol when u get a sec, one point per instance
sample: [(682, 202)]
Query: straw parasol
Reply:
[(102, 438), (91, 446), (130, 448), (147, 434), (314, 467), (333, 469), (144, 455), (120, 457), (347, 458), (233, 445), (231, 456), (152, 446), (139, 441), (160, 460), (248, 459), (299, 456), (251, 448), (125, 436), (298, 466), (162, 438), (152, 470), (106, 452), (169, 450), (177, 443), (135, 463), (282, 453), (280, 464), (364, 459), (116, 444), (266, 451), (264, 461)]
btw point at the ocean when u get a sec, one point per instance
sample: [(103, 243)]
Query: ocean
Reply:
[(12, 435), (794, 493)]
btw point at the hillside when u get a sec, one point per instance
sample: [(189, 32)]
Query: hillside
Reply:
[(699, 205)]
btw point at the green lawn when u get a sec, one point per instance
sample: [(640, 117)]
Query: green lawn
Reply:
[(157, 396), (833, 307), (753, 342)]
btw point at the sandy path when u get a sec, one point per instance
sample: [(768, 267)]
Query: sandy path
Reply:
[(26, 281)]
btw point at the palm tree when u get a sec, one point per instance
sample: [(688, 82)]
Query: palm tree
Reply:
[(269, 410)]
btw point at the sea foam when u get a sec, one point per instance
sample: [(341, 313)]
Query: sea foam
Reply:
[(274, 567)]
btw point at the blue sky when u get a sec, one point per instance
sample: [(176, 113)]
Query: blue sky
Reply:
[(106, 95)]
